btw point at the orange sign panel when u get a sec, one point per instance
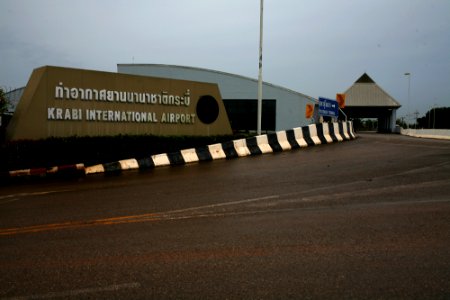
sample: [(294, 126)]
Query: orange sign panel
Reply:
[(340, 98), (309, 111)]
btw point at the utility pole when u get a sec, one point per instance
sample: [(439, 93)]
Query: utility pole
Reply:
[(416, 114), (434, 115)]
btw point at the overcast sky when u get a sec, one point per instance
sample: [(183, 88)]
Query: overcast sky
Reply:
[(316, 47)]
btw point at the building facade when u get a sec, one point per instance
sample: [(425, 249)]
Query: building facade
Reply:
[(282, 108), (366, 99)]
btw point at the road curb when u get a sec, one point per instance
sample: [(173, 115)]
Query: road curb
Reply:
[(296, 138), (57, 171)]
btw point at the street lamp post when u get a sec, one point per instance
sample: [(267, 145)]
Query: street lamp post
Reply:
[(260, 69), (409, 90)]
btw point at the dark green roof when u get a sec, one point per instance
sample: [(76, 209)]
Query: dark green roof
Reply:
[(365, 79)]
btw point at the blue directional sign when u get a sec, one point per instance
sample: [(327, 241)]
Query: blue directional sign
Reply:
[(328, 107)]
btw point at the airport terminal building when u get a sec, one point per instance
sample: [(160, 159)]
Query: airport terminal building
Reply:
[(54, 103), (282, 108)]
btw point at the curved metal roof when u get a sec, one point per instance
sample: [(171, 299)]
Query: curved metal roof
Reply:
[(220, 73)]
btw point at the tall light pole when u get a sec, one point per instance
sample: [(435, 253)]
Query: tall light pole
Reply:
[(260, 68), (409, 91), (434, 115)]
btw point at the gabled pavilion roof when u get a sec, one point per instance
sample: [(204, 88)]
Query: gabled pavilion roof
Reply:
[(366, 93)]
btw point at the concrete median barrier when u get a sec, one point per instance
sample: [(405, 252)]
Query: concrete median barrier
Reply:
[(283, 140), (337, 132), (296, 138), (441, 134)]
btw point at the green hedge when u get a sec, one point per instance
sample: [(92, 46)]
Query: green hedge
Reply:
[(94, 150)]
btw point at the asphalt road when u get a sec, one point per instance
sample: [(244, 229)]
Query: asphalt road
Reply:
[(365, 219)]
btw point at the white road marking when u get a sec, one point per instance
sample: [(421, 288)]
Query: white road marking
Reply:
[(374, 191), (224, 214), (21, 195), (221, 204), (10, 200), (80, 292), (167, 215)]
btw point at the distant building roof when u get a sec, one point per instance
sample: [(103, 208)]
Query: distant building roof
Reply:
[(366, 93)]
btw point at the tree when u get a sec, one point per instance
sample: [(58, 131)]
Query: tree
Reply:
[(401, 122), (438, 118)]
